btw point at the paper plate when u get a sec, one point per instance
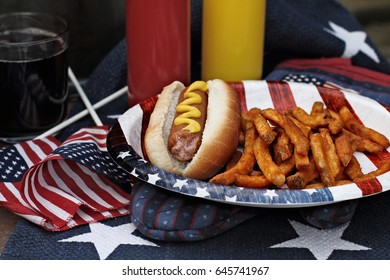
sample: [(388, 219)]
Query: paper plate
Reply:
[(125, 145)]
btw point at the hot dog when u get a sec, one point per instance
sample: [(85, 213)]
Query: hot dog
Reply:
[(185, 136), (194, 131)]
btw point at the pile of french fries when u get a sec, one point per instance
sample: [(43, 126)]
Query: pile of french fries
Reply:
[(302, 150)]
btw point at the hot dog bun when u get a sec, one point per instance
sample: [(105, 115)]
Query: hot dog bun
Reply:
[(220, 136)]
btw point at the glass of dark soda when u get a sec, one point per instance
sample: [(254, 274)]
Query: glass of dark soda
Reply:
[(33, 74)]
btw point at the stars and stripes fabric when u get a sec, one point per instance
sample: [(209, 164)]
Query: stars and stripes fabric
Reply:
[(162, 215), (61, 185), (337, 73), (314, 29)]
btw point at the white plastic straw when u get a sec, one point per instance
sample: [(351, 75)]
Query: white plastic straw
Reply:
[(84, 98), (82, 114)]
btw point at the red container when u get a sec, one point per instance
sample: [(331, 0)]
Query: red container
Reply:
[(158, 45)]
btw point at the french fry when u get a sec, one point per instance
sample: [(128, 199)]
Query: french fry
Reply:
[(234, 160), (366, 145), (245, 163), (319, 154), (353, 169), (296, 136), (314, 186), (343, 182), (331, 154), (282, 148), (353, 125), (320, 185), (313, 121), (317, 109), (263, 157), (383, 168), (346, 145), (302, 177), (301, 151), (306, 130), (287, 166), (259, 181), (262, 126), (301, 161), (363, 144), (335, 123)]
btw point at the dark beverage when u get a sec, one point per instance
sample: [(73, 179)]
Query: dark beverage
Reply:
[(33, 75), (33, 95)]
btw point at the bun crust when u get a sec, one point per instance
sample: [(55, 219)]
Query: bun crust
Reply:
[(220, 136)]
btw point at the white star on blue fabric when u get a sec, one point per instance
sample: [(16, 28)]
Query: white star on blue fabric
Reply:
[(153, 178), (180, 183), (202, 192), (106, 238), (310, 191), (134, 173), (231, 198), (122, 155), (354, 42), (270, 193), (320, 242)]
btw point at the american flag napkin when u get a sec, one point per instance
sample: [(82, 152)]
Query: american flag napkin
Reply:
[(61, 185)]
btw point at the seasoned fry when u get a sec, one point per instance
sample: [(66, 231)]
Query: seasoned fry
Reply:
[(353, 170), (298, 150), (306, 130), (314, 186), (282, 148), (335, 123), (353, 125), (318, 109), (262, 126), (259, 180), (234, 160), (296, 136), (319, 154), (313, 121), (363, 144), (383, 168), (245, 163), (271, 171), (300, 161), (366, 145), (301, 178), (252, 181), (331, 155), (346, 145), (343, 182), (287, 166), (320, 185)]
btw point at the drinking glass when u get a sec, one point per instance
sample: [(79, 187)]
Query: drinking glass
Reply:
[(33, 74)]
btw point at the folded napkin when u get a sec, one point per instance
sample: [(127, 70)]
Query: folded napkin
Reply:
[(62, 185)]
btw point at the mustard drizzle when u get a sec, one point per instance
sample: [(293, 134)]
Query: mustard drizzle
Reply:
[(188, 111)]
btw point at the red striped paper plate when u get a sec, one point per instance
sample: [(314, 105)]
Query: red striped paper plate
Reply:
[(125, 143)]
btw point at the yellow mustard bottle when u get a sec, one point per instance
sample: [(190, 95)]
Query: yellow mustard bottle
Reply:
[(233, 39)]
